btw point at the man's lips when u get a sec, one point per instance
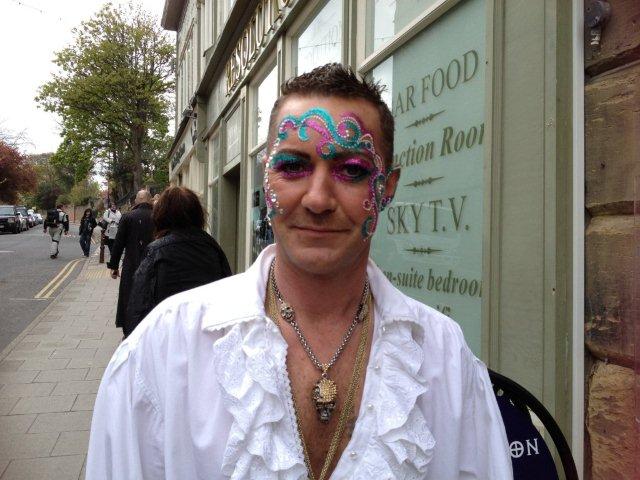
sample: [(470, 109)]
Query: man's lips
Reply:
[(318, 230)]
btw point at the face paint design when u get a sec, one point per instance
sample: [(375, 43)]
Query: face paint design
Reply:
[(347, 135)]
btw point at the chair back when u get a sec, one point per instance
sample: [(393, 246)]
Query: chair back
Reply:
[(530, 455)]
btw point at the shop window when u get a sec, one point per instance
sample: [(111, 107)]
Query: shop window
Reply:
[(214, 157), (267, 95), (208, 26), (233, 137), (214, 173), (321, 41), (388, 17), (429, 240), (224, 9), (261, 234), (213, 209)]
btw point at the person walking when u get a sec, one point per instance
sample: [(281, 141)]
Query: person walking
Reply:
[(135, 232), (182, 257), (57, 222), (111, 218), (87, 224)]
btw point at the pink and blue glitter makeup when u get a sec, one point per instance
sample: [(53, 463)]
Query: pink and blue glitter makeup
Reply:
[(348, 135)]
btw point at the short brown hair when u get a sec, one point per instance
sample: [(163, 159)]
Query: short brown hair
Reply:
[(337, 80), (177, 208)]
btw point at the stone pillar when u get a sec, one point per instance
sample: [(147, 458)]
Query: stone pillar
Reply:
[(612, 136)]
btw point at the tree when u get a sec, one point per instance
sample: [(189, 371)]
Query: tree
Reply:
[(16, 174), (113, 93), (84, 192), (74, 158), (53, 181)]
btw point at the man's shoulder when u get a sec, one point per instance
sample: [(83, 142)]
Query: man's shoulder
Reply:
[(433, 320), (398, 305), (215, 305)]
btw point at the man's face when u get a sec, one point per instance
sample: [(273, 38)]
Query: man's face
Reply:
[(325, 182), (113, 208)]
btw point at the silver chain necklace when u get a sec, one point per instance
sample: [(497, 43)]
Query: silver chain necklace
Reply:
[(325, 391)]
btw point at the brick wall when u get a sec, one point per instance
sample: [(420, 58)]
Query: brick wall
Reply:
[(612, 136)]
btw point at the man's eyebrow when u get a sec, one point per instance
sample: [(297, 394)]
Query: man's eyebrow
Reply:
[(291, 151), (345, 154)]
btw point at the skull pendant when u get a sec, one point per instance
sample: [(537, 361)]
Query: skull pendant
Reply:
[(324, 395)]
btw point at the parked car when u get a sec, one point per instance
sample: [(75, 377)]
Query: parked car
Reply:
[(33, 214), (23, 211), (39, 218), (9, 219), (24, 224)]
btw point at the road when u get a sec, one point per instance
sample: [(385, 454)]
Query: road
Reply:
[(29, 279)]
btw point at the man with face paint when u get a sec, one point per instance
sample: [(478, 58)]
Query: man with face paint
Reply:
[(310, 364)]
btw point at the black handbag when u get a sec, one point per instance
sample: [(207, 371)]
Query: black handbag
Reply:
[(103, 224)]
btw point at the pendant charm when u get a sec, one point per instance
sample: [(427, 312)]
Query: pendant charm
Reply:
[(287, 312), (324, 396)]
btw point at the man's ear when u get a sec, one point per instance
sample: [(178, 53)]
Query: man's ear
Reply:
[(392, 183)]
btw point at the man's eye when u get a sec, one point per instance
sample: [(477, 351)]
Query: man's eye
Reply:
[(290, 166), (353, 171)]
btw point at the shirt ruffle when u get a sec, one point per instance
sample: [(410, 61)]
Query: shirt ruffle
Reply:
[(402, 444), (250, 363), (263, 441)]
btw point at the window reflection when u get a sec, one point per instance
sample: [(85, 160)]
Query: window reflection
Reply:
[(267, 95), (388, 17), (233, 137), (261, 234), (321, 41)]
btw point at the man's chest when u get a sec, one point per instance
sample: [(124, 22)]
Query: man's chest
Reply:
[(326, 439)]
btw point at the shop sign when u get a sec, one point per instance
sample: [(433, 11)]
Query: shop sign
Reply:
[(429, 240), (177, 156), (253, 39)]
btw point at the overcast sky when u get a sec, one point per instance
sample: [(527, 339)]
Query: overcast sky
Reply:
[(32, 30)]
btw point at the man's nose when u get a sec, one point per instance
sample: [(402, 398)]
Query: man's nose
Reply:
[(320, 198)]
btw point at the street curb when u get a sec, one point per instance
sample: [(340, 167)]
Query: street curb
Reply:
[(9, 348)]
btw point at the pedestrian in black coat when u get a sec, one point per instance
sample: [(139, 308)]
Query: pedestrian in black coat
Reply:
[(183, 256), (87, 224), (135, 232)]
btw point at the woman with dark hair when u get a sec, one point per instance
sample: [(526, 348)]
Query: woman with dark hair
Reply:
[(183, 256), (87, 224)]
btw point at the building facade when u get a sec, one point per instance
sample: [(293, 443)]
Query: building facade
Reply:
[(488, 224)]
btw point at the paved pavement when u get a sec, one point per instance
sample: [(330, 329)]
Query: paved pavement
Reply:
[(29, 279), (49, 376)]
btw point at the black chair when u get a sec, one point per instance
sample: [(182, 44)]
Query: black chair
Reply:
[(530, 455)]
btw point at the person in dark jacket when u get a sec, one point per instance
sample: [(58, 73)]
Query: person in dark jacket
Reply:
[(87, 224), (135, 232), (183, 256)]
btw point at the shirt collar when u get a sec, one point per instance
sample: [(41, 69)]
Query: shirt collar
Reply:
[(248, 289)]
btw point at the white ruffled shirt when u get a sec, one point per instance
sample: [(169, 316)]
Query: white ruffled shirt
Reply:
[(200, 390)]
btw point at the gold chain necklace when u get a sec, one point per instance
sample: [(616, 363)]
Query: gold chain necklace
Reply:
[(325, 391), (358, 367)]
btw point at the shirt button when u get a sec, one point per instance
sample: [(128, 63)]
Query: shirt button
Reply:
[(384, 329), (370, 406), (353, 455), (377, 367)]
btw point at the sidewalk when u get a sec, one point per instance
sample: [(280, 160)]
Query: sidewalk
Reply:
[(49, 376)]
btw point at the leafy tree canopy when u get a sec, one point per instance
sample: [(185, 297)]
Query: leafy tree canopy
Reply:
[(113, 94), (16, 174)]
